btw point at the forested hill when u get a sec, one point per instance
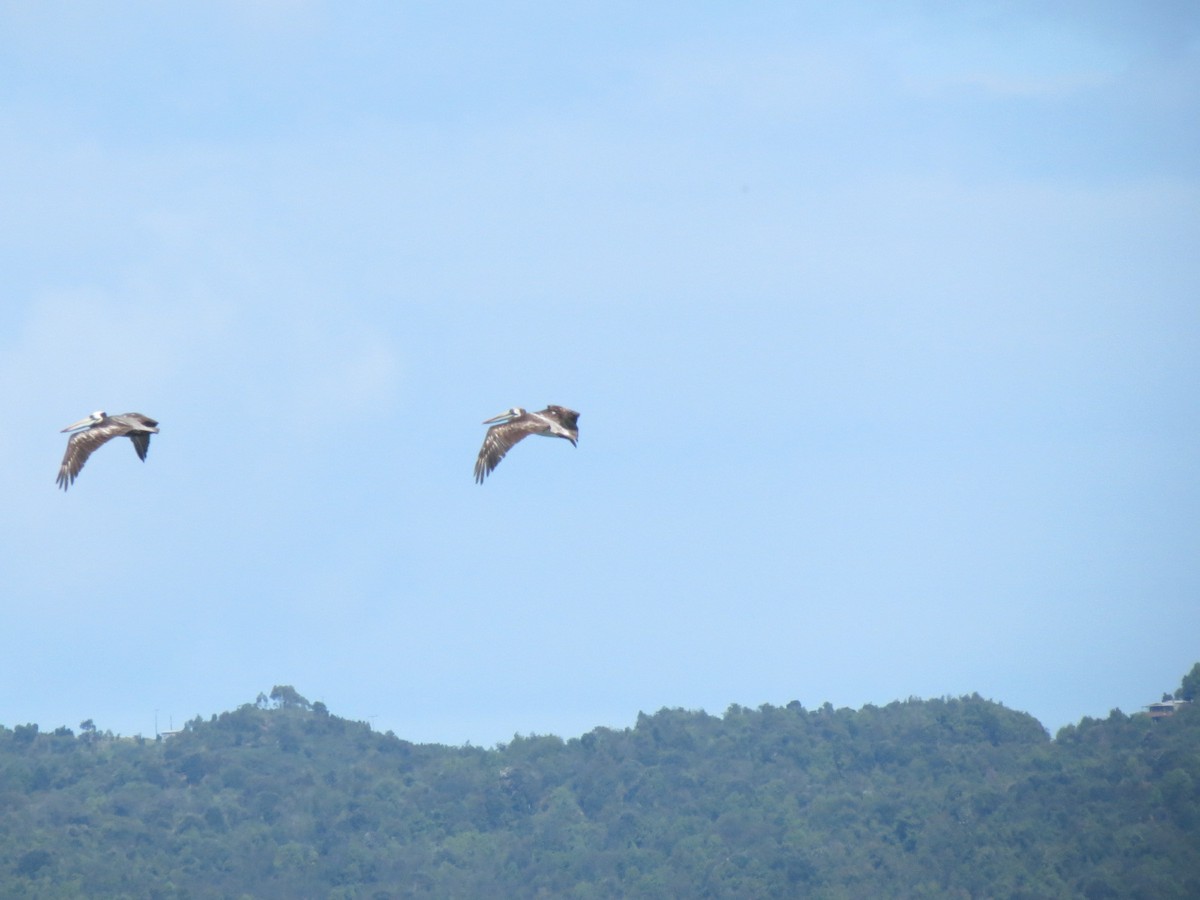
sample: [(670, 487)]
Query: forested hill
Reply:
[(923, 798)]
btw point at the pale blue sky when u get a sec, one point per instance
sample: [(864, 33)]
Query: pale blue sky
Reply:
[(883, 321)]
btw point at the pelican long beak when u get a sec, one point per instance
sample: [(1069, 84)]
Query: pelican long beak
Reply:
[(82, 423), (500, 418)]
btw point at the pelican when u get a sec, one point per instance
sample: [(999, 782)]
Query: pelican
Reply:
[(98, 429), (517, 423)]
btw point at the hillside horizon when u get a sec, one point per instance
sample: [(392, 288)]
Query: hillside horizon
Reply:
[(958, 797), (1189, 687)]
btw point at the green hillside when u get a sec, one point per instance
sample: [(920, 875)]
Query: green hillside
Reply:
[(923, 798)]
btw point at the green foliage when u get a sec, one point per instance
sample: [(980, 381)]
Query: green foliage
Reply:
[(956, 797), (1189, 688)]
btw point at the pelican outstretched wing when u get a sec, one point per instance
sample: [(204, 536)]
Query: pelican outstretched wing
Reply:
[(500, 438), (82, 445)]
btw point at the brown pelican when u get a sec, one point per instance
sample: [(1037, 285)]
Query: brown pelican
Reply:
[(97, 429), (511, 426)]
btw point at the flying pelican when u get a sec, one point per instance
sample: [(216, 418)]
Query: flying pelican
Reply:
[(97, 429), (517, 423)]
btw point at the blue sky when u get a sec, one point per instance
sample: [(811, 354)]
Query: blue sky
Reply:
[(883, 321)]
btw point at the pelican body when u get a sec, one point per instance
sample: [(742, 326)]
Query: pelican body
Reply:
[(97, 429), (516, 424)]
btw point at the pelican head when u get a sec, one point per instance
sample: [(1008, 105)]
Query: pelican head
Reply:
[(94, 419), (507, 414)]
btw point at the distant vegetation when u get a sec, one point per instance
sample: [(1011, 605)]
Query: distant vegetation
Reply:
[(924, 798)]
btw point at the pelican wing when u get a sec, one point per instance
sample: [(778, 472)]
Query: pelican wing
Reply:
[(499, 440), (141, 442), (82, 445)]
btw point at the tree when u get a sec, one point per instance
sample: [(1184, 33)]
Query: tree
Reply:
[(287, 697), (25, 734), (1189, 689)]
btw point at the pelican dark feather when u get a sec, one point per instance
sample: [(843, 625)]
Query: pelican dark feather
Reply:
[(517, 424), (98, 429)]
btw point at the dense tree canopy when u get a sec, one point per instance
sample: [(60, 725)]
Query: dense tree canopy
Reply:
[(1189, 689), (923, 798)]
